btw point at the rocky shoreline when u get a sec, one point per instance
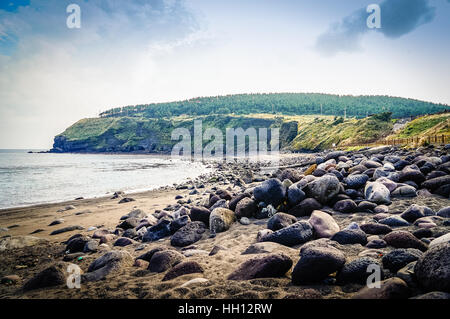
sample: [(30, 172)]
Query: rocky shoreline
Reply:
[(310, 229)]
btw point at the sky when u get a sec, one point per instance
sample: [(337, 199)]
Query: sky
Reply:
[(145, 51)]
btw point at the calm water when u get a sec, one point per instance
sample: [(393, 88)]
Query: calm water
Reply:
[(27, 179)]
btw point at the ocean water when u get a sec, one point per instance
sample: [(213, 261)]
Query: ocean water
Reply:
[(27, 179)]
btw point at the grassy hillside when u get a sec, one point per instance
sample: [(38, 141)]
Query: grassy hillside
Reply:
[(426, 125)]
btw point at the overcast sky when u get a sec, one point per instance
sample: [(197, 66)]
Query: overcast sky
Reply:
[(143, 51)]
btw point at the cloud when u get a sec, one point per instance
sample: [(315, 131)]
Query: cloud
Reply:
[(398, 17), (51, 76)]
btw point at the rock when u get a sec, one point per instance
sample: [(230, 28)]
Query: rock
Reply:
[(390, 185), (334, 155), (107, 238), (444, 212), (295, 234), (356, 271), (415, 212), (194, 281), (324, 224), (264, 247), (216, 249), (160, 230), (266, 266), (435, 183), (376, 243), (91, 246), (126, 200), (270, 192), (440, 240), (376, 192), (375, 228), (221, 203), (132, 233), (220, 220), (350, 236), (405, 191), (404, 239), (412, 173), (422, 233), (305, 208), (189, 234), (394, 221), (164, 259), (324, 188), (399, 258), (201, 214), (56, 222), (345, 206), (433, 295), (77, 244), (123, 241), (356, 181), (247, 207), (365, 206), (52, 276), (235, 200), (183, 268), (295, 195), (244, 221), (100, 233), (280, 220), (179, 223), (65, 230), (432, 269), (291, 175), (381, 209), (316, 263), (392, 288), (104, 265)]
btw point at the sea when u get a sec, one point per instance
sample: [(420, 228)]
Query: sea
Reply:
[(37, 178)]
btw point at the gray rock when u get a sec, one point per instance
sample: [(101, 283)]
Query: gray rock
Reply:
[(399, 258), (394, 221), (356, 181), (266, 266), (432, 269), (52, 276), (324, 188), (350, 236), (164, 260), (246, 207), (378, 193), (295, 234), (305, 207), (356, 271), (189, 234), (316, 263), (280, 220), (270, 192)]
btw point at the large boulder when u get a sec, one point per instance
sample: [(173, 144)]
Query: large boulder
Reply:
[(295, 234), (272, 192), (183, 268), (305, 207), (324, 224), (316, 263), (356, 271), (280, 220), (188, 234), (200, 214), (404, 239), (412, 173), (392, 288), (295, 195), (399, 258), (350, 237), (160, 230), (164, 259), (432, 269), (246, 207), (266, 266), (356, 181), (104, 265), (52, 276), (324, 188), (220, 220), (345, 206), (414, 212), (378, 193)]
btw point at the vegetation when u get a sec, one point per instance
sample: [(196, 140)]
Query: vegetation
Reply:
[(282, 103), (427, 125)]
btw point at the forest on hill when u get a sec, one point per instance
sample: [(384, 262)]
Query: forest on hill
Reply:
[(283, 103)]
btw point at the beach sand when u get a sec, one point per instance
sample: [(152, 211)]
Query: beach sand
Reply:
[(135, 282)]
